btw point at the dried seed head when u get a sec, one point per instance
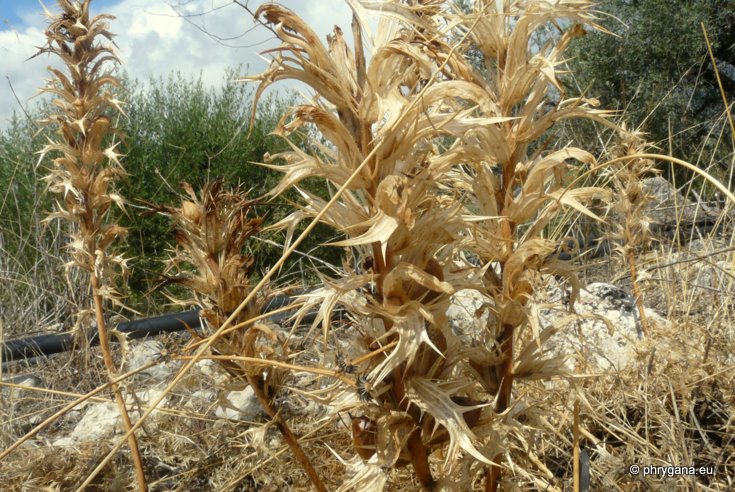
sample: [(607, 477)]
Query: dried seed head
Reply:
[(84, 171), (211, 233), (191, 212)]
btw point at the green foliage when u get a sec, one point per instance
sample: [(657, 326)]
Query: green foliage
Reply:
[(21, 191), (176, 130), (179, 130), (657, 70)]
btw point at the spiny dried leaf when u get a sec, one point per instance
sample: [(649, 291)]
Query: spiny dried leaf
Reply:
[(436, 400)]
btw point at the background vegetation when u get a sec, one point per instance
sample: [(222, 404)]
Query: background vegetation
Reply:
[(656, 70), (177, 130)]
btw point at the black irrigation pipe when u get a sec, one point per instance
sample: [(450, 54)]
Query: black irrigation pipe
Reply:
[(26, 348)]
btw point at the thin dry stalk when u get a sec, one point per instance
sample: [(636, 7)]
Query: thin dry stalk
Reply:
[(577, 475), (637, 294), (81, 177)]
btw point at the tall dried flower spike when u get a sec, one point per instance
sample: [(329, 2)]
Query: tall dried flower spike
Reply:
[(211, 231), (517, 189), (84, 171), (630, 202), (391, 213)]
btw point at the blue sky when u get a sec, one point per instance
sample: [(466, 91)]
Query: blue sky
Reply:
[(153, 39), (11, 12), (14, 14)]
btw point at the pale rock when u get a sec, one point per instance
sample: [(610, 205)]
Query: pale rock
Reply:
[(604, 346), (211, 369), (100, 422), (145, 397), (27, 380), (17, 400), (713, 277), (463, 309), (146, 352), (239, 405), (200, 399), (700, 272)]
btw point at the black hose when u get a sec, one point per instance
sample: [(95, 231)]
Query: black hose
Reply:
[(26, 348)]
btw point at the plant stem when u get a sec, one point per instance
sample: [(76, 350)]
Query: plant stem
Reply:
[(493, 475), (107, 357), (577, 475), (420, 459), (293, 443), (637, 291), (505, 341), (419, 456)]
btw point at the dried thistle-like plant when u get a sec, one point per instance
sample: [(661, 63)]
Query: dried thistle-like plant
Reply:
[(415, 141), (211, 233), (380, 123), (519, 190), (84, 174)]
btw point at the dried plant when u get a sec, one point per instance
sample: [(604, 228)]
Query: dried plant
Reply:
[(630, 203), (517, 189), (84, 174), (211, 233), (377, 127), (405, 206)]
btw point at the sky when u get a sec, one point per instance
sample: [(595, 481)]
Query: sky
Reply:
[(154, 38)]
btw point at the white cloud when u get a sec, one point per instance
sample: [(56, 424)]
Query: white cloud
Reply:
[(153, 40), (24, 77)]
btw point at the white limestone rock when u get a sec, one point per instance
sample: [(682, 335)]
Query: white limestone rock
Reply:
[(610, 346), (146, 352), (99, 423), (605, 346), (239, 405)]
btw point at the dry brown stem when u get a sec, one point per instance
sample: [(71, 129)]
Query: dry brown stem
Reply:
[(119, 398), (637, 294), (293, 443)]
